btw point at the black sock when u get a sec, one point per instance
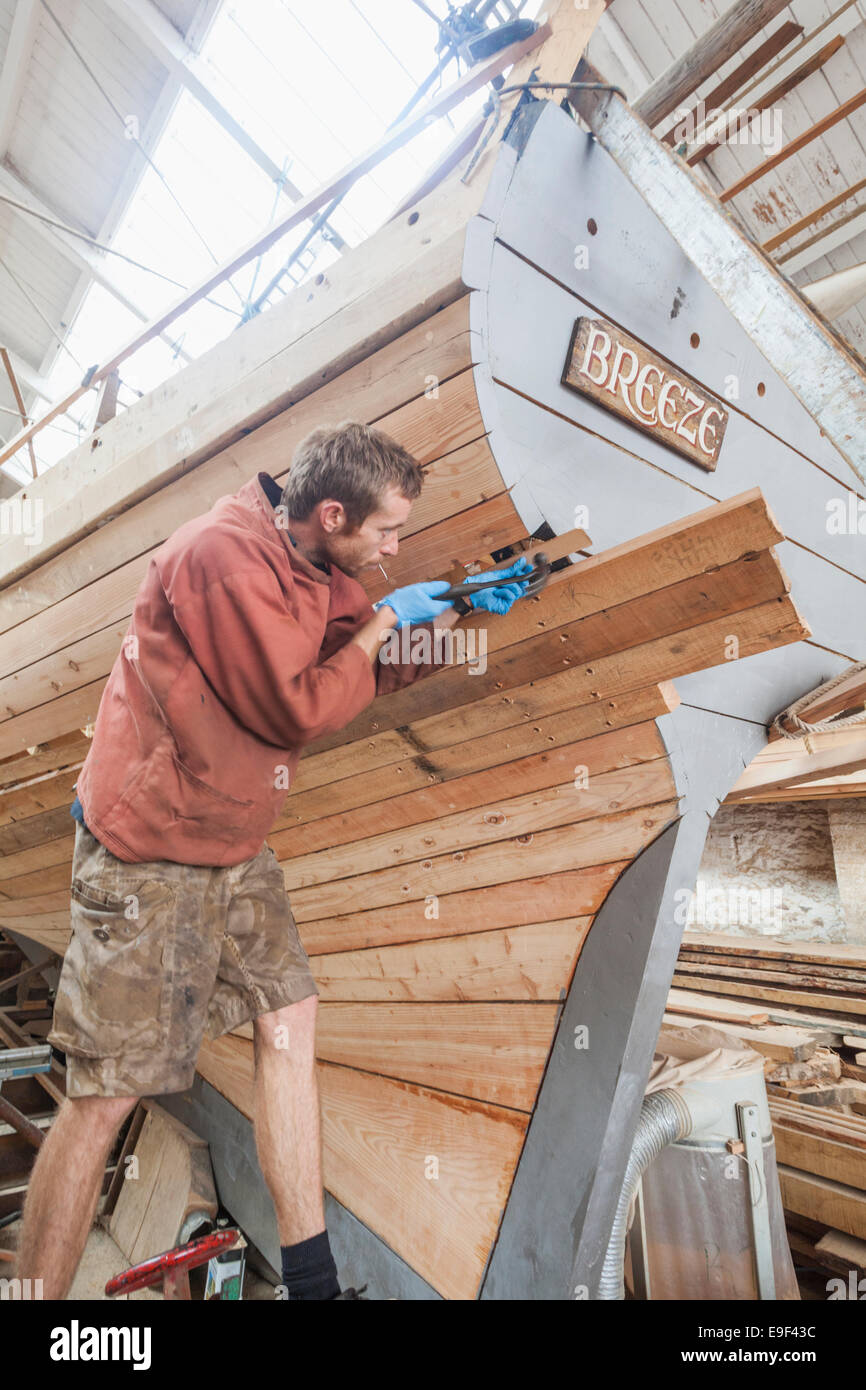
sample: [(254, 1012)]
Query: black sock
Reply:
[(308, 1268)]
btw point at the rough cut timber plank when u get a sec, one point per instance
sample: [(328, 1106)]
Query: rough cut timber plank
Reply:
[(802, 999), (72, 712), (412, 774), (757, 629), (55, 852), (809, 1136), (707, 54), (693, 546), (385, 379), (757, 966), (793, 146), (682, 1001), (396, 753), (782, 1044), (47, 758), (774, 776), (622, 748), (818, 953), (784, 976), (517, 963), (601, 637), (549, 851), (378, 1135), (774, 242), (740, 121), (849, 694), (832, 1203), (770, 48), (546, 897), (488, 1052), (542, 897), (603, 793), (843, 19)]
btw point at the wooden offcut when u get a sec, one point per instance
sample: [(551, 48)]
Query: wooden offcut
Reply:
[(167, 1177)]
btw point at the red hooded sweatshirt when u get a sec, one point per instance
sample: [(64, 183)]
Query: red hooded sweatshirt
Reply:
[(236, 656)]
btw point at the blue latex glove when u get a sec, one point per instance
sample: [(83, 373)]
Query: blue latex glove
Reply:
[(500, 599), (416, 603)]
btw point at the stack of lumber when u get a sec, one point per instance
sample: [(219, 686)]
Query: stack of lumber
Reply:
[(803, 1006), (822, 764), (788, 981)]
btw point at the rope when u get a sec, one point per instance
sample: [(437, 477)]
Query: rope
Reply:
[(801, 727)]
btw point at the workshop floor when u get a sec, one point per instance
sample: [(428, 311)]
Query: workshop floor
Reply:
[(102, 1259)]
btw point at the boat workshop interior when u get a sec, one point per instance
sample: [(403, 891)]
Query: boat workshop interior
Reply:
[(584, 903)]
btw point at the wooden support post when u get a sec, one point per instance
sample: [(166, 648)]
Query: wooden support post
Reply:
[(106, 401), (19, 401), (720, 43), (10, 1115)]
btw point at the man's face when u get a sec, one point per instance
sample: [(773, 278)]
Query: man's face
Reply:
[(375, 539)]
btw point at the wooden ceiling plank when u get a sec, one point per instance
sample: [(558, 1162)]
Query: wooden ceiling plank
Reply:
[(739, 119), (774, 242), (722, 41), (837, 25), (794, 146), (16, 65), (751, 65)]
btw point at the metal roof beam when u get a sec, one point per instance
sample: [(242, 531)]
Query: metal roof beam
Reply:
[(152, 28)]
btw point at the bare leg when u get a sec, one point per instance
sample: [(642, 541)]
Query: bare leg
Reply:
[(287, 1118), (64, 1189)]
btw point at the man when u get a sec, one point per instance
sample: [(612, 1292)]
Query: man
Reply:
[(250, 637)]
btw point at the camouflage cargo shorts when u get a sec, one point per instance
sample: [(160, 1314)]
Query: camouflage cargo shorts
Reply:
[(162, 953)]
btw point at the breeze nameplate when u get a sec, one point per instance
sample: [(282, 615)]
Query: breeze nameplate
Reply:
[(622, 375)]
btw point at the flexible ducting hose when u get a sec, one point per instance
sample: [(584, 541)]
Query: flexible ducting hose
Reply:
[(664, 1118)]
